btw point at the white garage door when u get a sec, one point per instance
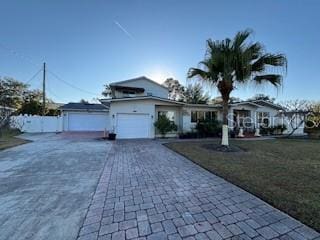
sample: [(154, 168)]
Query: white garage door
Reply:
[(87, 121), (133, 125)]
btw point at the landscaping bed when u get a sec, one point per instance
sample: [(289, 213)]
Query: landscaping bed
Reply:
[(283, 172)]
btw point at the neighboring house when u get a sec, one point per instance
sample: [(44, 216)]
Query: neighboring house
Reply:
[(135, 105)]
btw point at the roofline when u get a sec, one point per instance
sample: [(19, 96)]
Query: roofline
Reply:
[(158, 98), (85, 109), (202, 105), (270, 103), (140, 98), (137, 78), (245, 102)]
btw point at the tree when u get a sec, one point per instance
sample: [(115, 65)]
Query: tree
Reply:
[(194, 94), (164, 125), (83, 101), (107, 91), (234, 62), (11, 92), (296, 113), (32, 103), (176, 90)]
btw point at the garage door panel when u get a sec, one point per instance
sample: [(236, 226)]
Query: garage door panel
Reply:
[(87, 122), (133, 125)]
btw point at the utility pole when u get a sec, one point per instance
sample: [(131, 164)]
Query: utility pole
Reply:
[(44, 90)]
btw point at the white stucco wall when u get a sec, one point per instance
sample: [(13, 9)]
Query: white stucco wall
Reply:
[(149, 87), (186, 116)]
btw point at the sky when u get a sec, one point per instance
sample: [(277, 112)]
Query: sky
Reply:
[(89, 43)]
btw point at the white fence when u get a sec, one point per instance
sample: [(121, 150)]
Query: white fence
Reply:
[(37, 124)]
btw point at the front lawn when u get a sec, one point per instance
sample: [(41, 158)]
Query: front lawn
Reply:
[(283, 172), (8, 139)]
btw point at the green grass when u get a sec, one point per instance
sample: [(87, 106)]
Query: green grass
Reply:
[(8, 139), (283, 172)]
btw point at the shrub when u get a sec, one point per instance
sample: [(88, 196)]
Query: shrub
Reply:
[(278, 129), (164, 125), (211, 128)]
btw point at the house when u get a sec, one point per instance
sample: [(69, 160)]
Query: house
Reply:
[(135, 105)]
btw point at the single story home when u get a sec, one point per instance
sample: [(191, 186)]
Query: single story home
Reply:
[(135, 105)]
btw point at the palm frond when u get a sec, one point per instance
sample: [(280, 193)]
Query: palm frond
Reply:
[(274, 79), (194, 72), (240, 38), (275, 60)]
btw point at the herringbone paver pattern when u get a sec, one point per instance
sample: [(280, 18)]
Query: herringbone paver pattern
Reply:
[(147, 191)]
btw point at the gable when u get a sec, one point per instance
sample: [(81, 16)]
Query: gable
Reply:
[(149, 86)]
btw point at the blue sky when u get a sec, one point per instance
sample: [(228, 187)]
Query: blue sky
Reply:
[(91, 43)]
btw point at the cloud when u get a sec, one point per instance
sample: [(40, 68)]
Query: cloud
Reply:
[(123, 29)]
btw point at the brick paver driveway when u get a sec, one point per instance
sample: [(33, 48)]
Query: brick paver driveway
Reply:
[(149, 192)]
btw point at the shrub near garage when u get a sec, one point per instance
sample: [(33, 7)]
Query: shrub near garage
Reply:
[(164, 125)]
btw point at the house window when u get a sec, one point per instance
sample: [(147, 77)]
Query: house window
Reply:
[(128, 92), (169, 114), (263, 118), (197, 116)]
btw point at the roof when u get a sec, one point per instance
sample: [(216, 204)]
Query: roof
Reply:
[(85, 106), (135, 79), (259, 103), (267, 103), (108, 100)]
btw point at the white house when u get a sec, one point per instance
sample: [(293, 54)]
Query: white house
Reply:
[(135, 105)]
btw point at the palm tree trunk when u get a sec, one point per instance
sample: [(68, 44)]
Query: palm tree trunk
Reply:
[(225, 128)]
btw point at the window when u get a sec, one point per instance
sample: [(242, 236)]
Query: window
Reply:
[(203, 115), (263, 118), (169, 114), (128, 92)]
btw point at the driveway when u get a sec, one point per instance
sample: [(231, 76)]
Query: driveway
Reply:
[(46, 186), (151, 192)]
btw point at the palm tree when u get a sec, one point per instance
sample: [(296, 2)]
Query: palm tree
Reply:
[(233, 62)]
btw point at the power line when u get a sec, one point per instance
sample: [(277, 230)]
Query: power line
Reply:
[(33, 77), (71, 85), (23, 57)]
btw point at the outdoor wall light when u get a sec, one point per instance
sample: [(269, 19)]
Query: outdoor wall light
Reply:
[(112, 115), (152, 116)]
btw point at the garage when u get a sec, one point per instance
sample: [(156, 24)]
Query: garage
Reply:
[(133, 125), (87, 121), (85, 117)]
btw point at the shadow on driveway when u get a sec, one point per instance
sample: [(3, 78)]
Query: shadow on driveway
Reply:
[(46, 185)]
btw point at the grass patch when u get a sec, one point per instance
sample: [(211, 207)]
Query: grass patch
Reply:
[(283, 172), (8, 139)]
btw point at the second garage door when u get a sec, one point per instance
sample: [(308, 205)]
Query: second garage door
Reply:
[(87, 121), (133, 125)]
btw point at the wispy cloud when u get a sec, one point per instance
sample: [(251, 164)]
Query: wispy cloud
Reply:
[(123, 29)]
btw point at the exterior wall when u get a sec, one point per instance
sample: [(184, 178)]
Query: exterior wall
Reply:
[(186, 116), (149, 87), (65, 116), (249, 107), (253, 111), (273, 114), (37, 124)]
